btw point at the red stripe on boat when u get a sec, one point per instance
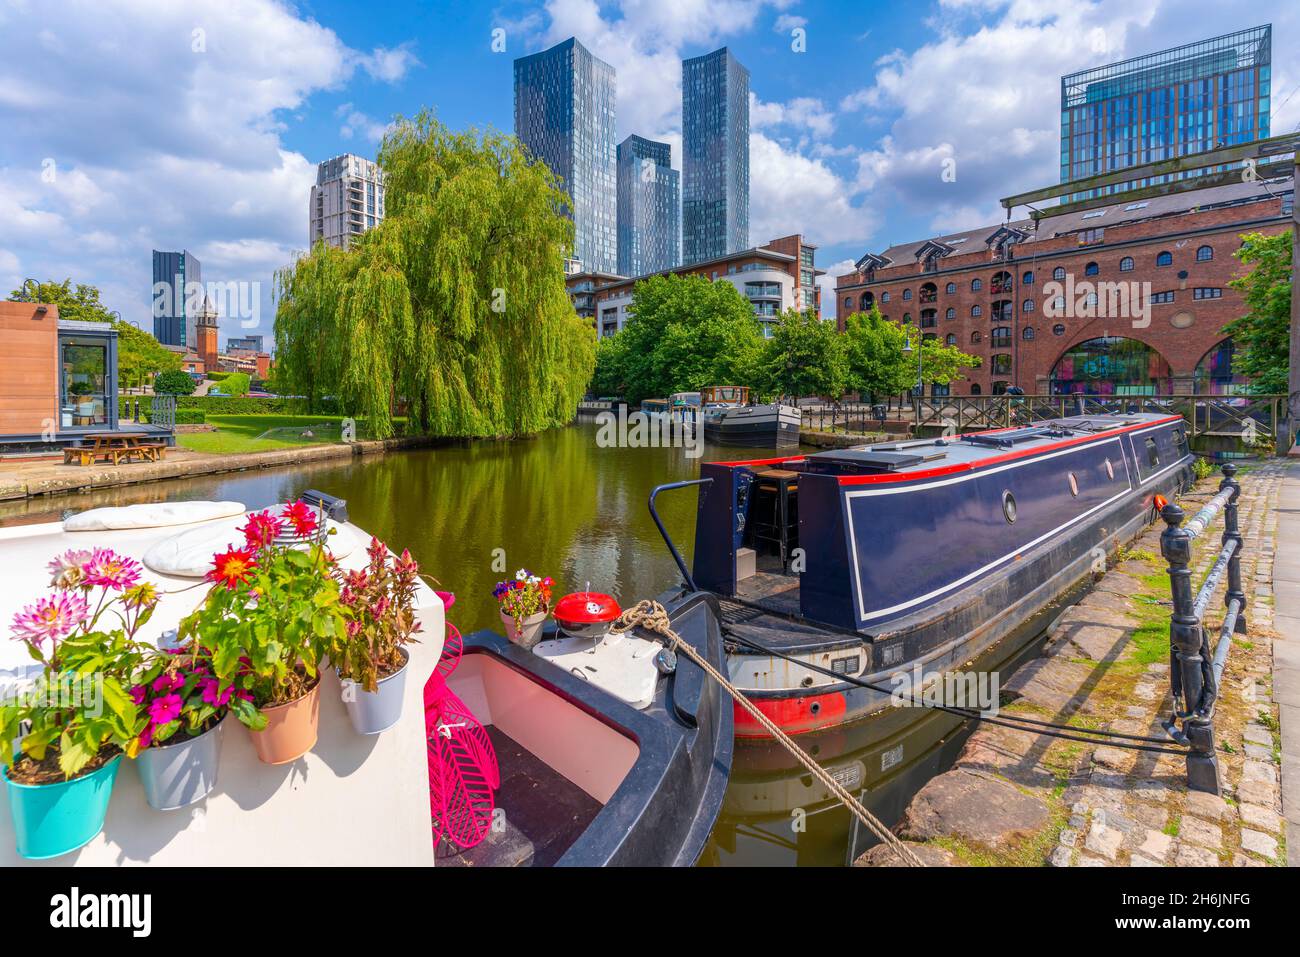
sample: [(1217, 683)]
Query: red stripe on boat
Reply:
[(792, 715)]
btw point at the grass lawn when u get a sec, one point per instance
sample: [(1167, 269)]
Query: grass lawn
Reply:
[(249, 433)]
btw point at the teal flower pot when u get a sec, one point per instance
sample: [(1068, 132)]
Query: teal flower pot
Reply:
[(53, 819)]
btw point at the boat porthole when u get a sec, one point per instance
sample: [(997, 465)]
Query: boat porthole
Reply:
[(807, 682), (815, 707), (1009, 505), (1074, 485), (1110, 470)]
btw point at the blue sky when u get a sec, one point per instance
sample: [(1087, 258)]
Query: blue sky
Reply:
[(134, 124)]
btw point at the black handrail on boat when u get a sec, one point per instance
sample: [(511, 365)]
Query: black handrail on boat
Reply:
[(677, 556)]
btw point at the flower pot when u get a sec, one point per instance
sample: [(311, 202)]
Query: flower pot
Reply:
[(531, 632), (54, 819), (290, 730), (182, 770), (375, 711)]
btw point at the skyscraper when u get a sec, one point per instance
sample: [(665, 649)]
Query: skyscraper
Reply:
[(715, 156), (564, 115), (348, 199), (1189, 99), (177, 297), (649, 217)]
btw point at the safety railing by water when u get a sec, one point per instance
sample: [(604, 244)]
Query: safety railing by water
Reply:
[(1196, 672)]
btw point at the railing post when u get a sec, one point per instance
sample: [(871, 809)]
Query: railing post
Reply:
[(1231, 532), (1187, 664)]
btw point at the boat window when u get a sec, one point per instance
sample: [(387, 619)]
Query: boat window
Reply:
[(1153, 454), (1009, 505), (1074, 485)]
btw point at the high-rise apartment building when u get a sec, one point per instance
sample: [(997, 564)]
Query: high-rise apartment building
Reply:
[(564, 115), (1189, 99), (177, 297), (649, 208), (348, 199), (715, 156)]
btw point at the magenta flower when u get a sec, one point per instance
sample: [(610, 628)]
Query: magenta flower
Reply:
[(214, 695), (50, 618), (167, 682), (107, 569), (165, 709), (138, 694), (262, 528)]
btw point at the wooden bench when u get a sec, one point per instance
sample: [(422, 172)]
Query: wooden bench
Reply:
[(83, 454)]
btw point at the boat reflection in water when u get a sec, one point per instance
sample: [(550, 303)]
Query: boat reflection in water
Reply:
[(777, 814)]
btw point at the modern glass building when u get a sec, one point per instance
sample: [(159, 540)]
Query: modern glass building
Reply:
[(564, 115), (649, 208), (175, 311), (1190, 99), (715, 156)]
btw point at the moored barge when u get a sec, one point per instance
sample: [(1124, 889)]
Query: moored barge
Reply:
[(884, 561)]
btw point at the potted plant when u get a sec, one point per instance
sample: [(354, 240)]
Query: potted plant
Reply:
[(525, 602), (69, 729), (370, 659), (271, 613), (185, 707)]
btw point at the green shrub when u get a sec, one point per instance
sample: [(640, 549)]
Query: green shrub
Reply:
[(190, 417), (174, 382), (235, 384), (217, 376)]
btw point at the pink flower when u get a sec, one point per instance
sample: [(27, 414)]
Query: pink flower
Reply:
[(167, 682), (261, 530), (138, 693), (50, 618), (165, 709), (300, 516), (108, 569), (66, 569), (213, 695)]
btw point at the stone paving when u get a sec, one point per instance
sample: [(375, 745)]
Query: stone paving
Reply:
[(1015, 797)]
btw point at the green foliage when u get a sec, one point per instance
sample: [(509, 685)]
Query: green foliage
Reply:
[(235, 384), (1263, 336), (216, 376), (683, 333), (253, 405), (805, 356), (878, 364), (190, 416), (175, 382), (139, 354), (455, 302), (380, 603)]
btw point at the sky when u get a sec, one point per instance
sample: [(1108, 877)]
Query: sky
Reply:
[(130, 125)]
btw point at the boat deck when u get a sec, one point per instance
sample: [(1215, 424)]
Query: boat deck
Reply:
[(544, 813)]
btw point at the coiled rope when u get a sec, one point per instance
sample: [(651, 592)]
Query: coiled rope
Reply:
[(651, 616)]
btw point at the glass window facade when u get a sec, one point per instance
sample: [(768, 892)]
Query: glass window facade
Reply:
[(715, 156), (564, 116), (1163, 105), (649, 208)]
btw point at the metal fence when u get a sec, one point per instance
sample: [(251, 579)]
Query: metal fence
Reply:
[(1196, 670), (163, 412)]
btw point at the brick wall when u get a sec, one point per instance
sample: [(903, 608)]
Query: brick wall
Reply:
[(1182, 331)]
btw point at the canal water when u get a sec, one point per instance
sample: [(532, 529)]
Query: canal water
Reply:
[(561, 505)]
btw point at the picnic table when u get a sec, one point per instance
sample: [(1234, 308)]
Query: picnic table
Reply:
[(114, 447)]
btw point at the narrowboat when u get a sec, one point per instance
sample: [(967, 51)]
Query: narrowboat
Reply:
[(730, 419), (654, 406), (881, 562)]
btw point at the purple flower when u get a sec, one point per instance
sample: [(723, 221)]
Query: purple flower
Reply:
[(50, 618)]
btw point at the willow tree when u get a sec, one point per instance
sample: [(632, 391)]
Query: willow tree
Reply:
[(454, 304)]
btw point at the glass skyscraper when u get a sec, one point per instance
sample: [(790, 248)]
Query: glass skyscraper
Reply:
[(564, 115), (649, 216), (715, 156), (176, 308), (1190, 99)]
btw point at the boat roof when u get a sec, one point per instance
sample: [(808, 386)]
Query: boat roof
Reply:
[(911, 459)]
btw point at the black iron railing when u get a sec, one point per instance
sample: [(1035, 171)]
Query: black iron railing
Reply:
[(1196, 670)]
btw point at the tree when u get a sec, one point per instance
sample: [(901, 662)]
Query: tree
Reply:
[(878, 366), (455, 302), (1262, 337), (805, 356), (683, 333), (174, 383), (236, 383), (139, 354)]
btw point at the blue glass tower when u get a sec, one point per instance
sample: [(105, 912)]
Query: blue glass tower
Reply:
[(649, 217), (1159, 106), (715, 156), (564, 115), (175, 309)]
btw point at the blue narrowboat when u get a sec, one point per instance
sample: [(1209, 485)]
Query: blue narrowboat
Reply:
[(868, 562)]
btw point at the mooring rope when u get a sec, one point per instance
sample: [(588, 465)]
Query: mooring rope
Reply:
[(651, 616)]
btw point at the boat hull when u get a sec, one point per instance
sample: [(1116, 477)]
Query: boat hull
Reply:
[(769, 426)]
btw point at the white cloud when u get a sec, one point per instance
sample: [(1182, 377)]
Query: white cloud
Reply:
[(186, 156), (793, 193), (826, 283), (803, 113), (355, 122)]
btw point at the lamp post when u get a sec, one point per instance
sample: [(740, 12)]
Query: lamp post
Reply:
[(30, 282), (919, 389)]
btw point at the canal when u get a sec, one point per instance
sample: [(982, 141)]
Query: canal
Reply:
[(561, 505)]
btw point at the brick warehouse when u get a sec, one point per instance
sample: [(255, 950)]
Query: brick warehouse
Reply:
[(983, 290)]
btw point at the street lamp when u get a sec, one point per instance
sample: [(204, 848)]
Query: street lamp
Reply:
[(27, 295), (907, 350)]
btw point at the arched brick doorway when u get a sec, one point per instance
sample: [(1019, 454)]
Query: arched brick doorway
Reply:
[(1111, 365)]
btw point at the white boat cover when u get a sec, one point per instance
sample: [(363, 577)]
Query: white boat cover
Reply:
[(188, 554), (150, 515)]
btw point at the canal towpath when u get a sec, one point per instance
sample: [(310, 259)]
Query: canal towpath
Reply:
[(1015, 797)]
